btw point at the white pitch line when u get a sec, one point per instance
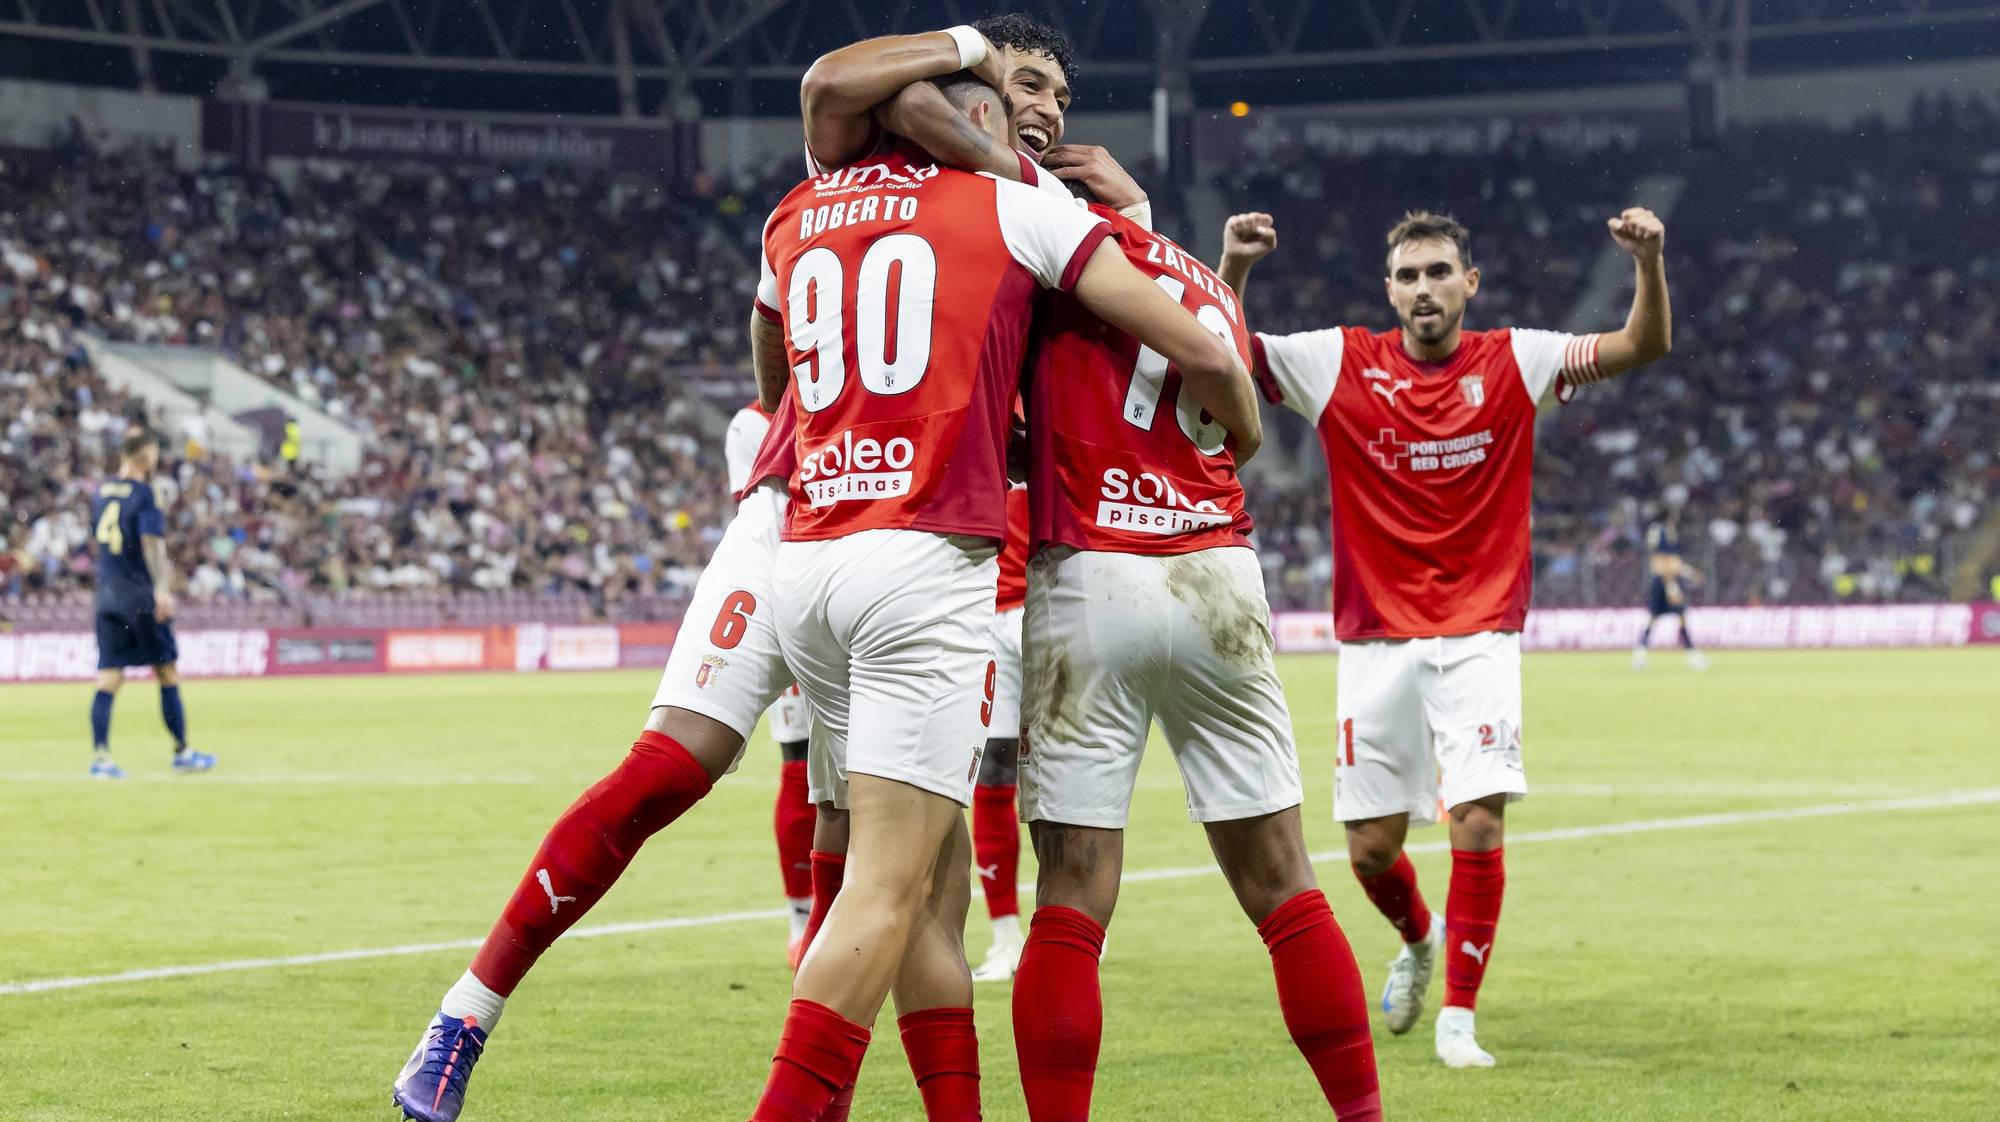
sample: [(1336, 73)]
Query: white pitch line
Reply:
[(1570, 833), (286, 779)]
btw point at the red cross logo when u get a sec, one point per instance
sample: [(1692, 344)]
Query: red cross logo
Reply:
[(1387, 450)]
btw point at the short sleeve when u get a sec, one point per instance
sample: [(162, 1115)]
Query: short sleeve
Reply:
[(1050, 239), (152, 521), (740, 445), (1299, 371), (767, 289), (1554, 363)]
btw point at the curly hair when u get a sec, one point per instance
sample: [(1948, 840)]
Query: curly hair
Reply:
[(1025, 33)]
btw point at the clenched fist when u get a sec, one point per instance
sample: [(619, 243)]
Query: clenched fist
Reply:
[(1249, 237), (1639, 232)]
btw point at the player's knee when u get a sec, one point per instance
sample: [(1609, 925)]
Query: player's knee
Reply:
[(1000, 766), (1371, 855), (830, 829), (167, 674), (713, 744), (1480, 823)]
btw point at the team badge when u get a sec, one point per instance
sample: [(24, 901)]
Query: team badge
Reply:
[(1473, 386), (711, 665)]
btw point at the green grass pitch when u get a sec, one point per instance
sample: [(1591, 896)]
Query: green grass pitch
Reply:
[(1819, 966)]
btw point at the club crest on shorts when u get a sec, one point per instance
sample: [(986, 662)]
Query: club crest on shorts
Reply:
[(1473, 387), (711, 665)]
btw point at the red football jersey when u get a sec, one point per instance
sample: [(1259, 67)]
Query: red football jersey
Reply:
[(1014, 553), (1123, 461), (777, 454), (906, 290), (1432, 468)]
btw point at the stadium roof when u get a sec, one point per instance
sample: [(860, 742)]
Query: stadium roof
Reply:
[(611, 56)]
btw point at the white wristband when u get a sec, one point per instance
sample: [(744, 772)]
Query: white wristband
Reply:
[(971, 45), (1140, 212)]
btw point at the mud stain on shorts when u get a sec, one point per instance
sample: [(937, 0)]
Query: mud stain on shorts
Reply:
[(1237, 625)]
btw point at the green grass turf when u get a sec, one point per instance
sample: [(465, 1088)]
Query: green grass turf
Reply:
[(1817, 968)]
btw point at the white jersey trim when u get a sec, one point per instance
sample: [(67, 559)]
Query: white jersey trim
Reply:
[(1305, 366), (1554, 362), (1042, 234)]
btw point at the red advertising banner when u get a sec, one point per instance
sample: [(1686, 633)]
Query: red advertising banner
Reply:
[(489, 648), (645, 646), (1796, 627), (1985, 624), (71, 656)]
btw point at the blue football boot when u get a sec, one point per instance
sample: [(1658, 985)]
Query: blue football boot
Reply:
[(432, 1085), (189, 760), (101, 767)]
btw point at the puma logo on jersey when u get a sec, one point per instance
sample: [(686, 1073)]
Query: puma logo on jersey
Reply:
[(1478, 954), (1389, 391)]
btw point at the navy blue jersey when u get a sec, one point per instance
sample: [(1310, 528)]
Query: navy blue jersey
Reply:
[(122, 513), (1661, 538)]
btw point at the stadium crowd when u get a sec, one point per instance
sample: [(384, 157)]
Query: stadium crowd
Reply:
[(519, 351)]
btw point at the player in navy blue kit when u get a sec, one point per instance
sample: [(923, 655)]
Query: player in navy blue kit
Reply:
[(135, 608), (1666, 594)]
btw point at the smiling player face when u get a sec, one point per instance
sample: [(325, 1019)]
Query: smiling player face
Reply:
[(1040, 97)]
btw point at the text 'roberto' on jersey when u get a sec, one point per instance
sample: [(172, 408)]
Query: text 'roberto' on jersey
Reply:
[(906, 290)]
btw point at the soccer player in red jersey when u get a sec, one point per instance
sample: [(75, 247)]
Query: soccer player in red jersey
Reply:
[(1429, 436), (996, 825), (725, 670), (1146, 605), (906, 290)]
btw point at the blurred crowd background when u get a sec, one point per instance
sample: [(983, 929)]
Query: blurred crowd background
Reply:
[(530, 359)]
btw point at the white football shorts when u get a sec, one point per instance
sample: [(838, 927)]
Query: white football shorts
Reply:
[(727, 663), (790, 721), (1427, 724), (1115, 642), (891, 633), (1006, 720)]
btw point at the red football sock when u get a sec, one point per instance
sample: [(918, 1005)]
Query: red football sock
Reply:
[(996, 847), (1395, 895), (1319, 992), (1471, 913), (828, 869), (943, 1047), (818, 1055), (1059, 1014), (841, 1106), (792, 820), (585, 851)]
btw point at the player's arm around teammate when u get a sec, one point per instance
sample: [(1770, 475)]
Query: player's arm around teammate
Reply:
[(842, 89)]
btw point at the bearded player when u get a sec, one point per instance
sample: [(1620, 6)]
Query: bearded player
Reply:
[(1429, 434), (906, 290), (725, 670)]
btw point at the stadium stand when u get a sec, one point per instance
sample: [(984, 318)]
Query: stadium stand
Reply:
[(518, 351)]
